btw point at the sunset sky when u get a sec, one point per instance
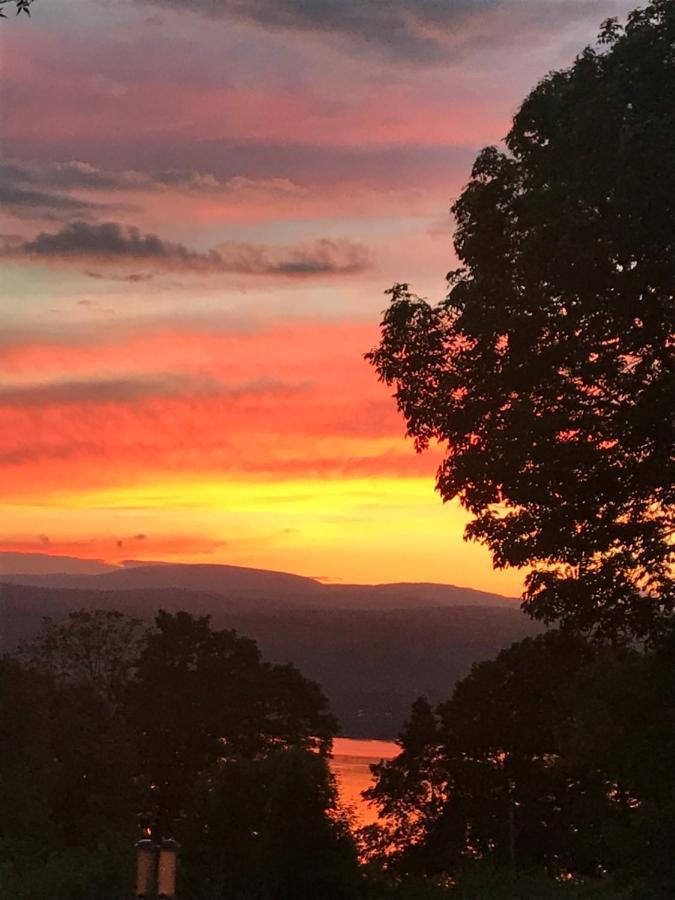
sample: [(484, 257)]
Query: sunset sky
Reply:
[(204, 202)]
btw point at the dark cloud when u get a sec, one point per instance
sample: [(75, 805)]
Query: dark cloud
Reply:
[(420, 31), (31, 453), (239, 167), (27, 192), (113, 390), (45, 204), (75, 175), (113, 244), (109, 241), (128, 390), (324, 256), (132, 278), (57, 175)]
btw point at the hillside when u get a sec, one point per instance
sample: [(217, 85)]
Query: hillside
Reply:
[(260, 588), (373, 649)]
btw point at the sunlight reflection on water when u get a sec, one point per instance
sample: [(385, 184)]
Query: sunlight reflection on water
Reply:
[(350, 764)]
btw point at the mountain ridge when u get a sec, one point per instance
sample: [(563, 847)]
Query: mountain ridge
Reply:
[(373, 648), (268, 587)]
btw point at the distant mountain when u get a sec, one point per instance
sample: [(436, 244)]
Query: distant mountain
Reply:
[(374, 649), (43, 563), (262, 589)]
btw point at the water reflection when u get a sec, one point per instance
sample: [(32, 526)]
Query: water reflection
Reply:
[(351, 765)]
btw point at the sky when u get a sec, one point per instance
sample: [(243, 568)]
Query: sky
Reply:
[(203, 204)]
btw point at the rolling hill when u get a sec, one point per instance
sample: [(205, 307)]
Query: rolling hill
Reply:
[(262, 589), (373, 648)]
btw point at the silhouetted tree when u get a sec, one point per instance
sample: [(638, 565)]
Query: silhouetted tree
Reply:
[(410, 789), (189, 731), (21, 6), (99, 647), (548, 372), (539, 760), (624, 726), (201, 695), (268, 828), (307, 850), (68, 800)]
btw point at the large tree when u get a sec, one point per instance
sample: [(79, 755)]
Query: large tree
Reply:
[(547, 372), (98, 647), (187, 730), (538, 761), (202, 696), (269, 828), (68, 799)]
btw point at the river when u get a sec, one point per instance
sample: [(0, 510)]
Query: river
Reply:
[(350, 765)]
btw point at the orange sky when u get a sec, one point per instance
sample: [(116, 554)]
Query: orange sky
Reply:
[(187, 383)]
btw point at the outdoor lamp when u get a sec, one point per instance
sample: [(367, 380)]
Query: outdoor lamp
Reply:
[(145, 867), (166, 870)]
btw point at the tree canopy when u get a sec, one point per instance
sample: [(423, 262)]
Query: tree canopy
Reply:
[(538, 761), (96, 646), (185, 730), (21, 6), (270, 828), (201, 695), (547, 372)]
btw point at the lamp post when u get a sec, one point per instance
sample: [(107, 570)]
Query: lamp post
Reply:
[(156, 866)]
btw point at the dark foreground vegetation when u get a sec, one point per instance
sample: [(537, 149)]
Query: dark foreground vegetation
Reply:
[(557, 757), (183, 729), (548, 773)]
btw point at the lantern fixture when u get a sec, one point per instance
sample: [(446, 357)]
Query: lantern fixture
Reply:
[(166, 869), (156, 866), (146, 852)]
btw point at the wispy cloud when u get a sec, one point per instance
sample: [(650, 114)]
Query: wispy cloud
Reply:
[(129, 390), (83, 176), (98, 390), (112, 244), (416, 31), (20, 197)]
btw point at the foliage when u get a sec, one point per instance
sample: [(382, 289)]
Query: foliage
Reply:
[(67, 797), (201, 695), (269, 828), (22, 6), (99, 647), (191, 732), (484, 881), (73, 874), (538, 759), (480, 880), (547, 371)]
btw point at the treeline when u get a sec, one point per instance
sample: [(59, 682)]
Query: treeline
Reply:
[(547, 773), (555, 758), (109, 729)]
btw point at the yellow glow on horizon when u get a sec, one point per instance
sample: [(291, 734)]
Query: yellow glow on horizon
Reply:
[(306, 495), (357, 529)]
